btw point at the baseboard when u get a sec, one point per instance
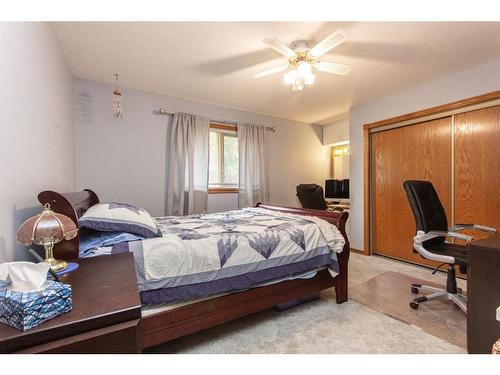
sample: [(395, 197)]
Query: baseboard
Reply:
[(357, 251)]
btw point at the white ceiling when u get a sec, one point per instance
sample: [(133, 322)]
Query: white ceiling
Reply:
[(215, 61)]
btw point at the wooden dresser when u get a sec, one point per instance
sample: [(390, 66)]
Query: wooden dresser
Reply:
[(105, 316), (483, 290)]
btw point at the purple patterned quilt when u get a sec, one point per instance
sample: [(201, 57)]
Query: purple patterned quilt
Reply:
[(202, 255)]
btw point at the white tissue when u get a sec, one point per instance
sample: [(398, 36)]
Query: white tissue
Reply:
[(24, 276)]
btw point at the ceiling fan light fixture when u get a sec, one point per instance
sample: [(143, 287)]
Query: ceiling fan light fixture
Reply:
[(304, 68), (290, 76), (309, 79), (303, 60), (299, 75)]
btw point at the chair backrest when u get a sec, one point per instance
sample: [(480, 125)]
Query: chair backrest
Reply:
[(311, 196), (427, 208)]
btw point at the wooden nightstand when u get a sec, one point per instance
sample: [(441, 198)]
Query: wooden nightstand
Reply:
[(105, 316)]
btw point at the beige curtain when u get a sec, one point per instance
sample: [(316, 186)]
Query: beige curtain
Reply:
[(187, 184), (254, 180)]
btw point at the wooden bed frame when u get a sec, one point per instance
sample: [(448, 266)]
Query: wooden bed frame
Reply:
[(167, 325)]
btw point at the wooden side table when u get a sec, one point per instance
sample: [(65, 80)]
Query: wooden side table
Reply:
[(105, 316)]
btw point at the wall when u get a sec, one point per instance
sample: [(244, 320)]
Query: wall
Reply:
[(121, 160), (36, 143), (336, 132), (222, 202), (126, 159), (476, 81)]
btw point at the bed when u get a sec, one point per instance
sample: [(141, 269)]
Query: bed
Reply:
[(162, 324)]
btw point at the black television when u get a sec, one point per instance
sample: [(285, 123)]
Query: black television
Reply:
[(337, 189)]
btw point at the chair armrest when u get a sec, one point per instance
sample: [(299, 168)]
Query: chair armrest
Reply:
[(422, 237), (482, 228)]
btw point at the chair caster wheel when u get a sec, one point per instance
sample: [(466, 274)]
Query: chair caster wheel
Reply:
[(414, 290), (414, 305)]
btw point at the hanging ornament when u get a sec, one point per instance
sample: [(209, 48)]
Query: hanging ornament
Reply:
[(117, 100)]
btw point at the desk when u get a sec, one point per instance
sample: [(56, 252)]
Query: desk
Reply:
[(344, 207), (104, 319), (483, 290)]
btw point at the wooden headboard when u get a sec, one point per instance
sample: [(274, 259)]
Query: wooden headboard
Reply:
[(73, 205)]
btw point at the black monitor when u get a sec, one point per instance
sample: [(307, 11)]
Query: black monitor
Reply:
[(337, 189)]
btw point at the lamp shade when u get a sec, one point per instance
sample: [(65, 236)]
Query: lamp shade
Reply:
[(46, 228)]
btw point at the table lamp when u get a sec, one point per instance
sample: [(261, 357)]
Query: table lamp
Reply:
[(47, 229)]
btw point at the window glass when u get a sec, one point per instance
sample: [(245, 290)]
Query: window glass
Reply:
[(230, 160), (223, 163), (213, 170)]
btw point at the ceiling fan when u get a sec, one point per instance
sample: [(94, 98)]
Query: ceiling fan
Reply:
[(303, 60)]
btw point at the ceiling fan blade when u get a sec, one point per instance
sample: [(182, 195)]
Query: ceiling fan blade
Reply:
[(268, 72), (334, 68), (339, 36), (280, 47)]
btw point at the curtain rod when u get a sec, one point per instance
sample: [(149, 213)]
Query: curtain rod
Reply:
[(163, 111)]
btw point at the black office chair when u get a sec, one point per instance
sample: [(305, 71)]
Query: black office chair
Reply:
[(311, 196), (429, 242)]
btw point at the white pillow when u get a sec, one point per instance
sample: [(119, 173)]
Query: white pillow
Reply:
[(120, 217)]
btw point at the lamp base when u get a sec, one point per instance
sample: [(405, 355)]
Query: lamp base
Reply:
[(57, 265)]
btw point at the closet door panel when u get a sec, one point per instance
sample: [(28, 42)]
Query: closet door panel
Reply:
[(416, 152), (477, 168)]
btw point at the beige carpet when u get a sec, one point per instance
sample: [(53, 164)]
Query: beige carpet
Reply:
[(390, 294), (321, 326)]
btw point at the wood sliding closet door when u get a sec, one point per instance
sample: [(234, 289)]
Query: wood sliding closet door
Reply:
[(477, 168), (416, 152)]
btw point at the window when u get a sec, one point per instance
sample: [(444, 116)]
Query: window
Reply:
[(223, 173)]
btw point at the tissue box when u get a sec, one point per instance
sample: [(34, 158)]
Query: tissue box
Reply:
[(27, 310)]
